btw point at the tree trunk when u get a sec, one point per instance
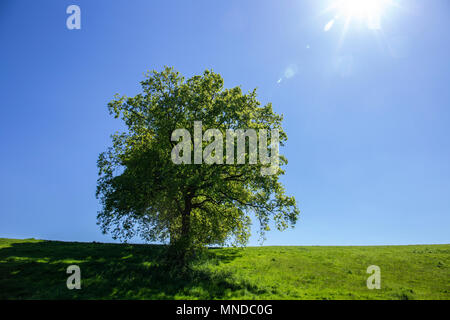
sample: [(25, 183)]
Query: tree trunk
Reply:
[(186, 218), (185, 237), (180, 242)]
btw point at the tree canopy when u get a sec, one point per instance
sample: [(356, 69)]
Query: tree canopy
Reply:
[(144, 193)]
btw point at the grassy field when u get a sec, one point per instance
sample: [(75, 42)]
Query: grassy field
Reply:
[(36, 269)]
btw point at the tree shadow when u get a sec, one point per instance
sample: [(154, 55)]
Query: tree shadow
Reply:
[(37, 270)]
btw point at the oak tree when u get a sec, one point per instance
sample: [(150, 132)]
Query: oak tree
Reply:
[(144, 193)]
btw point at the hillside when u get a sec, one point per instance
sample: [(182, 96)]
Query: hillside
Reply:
[(36, 269)]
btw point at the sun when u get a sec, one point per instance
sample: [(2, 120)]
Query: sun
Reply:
[(368, 11), (361, 8)]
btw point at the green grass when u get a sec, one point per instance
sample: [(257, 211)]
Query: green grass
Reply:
[(36, 269)]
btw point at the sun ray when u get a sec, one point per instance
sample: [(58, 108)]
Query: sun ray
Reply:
[(346, 12), (368, 11)]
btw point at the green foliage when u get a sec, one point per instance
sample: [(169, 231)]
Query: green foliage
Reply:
[(143, 193), (36, 269)]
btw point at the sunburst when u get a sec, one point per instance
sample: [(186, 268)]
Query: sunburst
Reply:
[(368, 11)]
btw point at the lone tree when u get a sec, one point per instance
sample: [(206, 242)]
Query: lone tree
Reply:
[(144, 193)]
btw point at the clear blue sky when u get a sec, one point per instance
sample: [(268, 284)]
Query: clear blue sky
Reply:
[(366, 107)]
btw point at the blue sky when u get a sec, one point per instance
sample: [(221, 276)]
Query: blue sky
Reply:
[(366, 109)]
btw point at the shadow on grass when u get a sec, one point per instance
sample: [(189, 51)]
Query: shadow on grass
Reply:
[(37, 270)]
